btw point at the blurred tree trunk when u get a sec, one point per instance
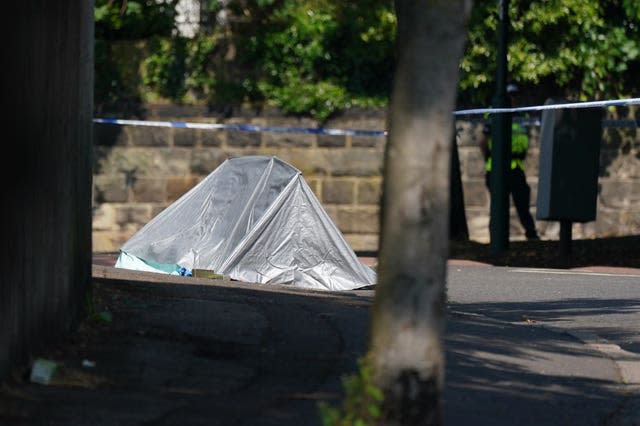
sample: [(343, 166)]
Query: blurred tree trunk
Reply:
[(47, 99), (406, 348)]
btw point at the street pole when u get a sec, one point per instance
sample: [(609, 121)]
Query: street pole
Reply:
[(500, 144)]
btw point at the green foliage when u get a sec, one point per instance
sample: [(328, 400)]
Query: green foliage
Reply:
[(319, 99), (632, 9), (131, 20), (161, 67), (582, 49), (319, 56), (109, 85), (200, 73), (165, 68), (362, 404), (104, 317), (316, 57), (365, 46), (117, 67)]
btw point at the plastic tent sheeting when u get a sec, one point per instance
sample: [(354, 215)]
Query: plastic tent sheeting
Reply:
[(254, 219)]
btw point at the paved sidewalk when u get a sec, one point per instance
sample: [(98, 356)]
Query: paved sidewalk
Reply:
[(186, 351), (597, 306)]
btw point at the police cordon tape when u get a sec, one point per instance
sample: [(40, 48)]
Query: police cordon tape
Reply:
[(243, 127), (374, 133), (590, 104)]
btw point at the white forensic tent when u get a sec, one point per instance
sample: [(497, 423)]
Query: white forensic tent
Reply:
[(255, 219)]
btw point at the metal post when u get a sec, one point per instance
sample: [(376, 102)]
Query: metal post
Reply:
[(500, 143), (565, 241)]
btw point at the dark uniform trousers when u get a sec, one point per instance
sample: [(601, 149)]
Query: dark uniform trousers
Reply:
[(520, 192)]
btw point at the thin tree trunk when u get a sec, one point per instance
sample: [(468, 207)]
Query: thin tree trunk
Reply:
[(458, 229), (408, 321)]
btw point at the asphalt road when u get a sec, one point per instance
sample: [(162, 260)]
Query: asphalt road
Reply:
[(523, 347), (598, 307), (603, 303)]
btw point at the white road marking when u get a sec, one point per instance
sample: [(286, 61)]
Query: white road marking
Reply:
[(559, 272)]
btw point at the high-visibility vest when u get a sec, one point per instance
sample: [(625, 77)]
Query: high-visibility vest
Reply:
[(519, 147)]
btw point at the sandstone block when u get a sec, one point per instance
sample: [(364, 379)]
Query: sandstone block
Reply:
[(284, 139), (471, 163), (331, 141), (310, 162), (108, 241), (356, 162), (315, 184), (369, 191), (180, 185), (186, 137), (172, 161), (621, 166), (205, 161), (149, 190), (110, 188), (358, 220), (338, 191), (619, 195), (243, 139), (367, 141), (363, 242), (133, 214), (104, 218), (133, 162), (476, 193), (213, 138), (148, 136)]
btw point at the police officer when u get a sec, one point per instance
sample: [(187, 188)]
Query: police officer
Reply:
[(517, 182)]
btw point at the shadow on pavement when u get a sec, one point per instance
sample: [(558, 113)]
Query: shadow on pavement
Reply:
[(498, 376), (603, 313), (613, 251)]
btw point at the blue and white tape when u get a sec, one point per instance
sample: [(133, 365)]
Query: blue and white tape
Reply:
[(243, 127), (591, 104), (373, 133)]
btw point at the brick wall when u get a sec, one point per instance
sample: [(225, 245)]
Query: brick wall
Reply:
[(139, 171)]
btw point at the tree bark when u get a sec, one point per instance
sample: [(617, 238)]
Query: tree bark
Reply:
[(408, 317), (47, 99)]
